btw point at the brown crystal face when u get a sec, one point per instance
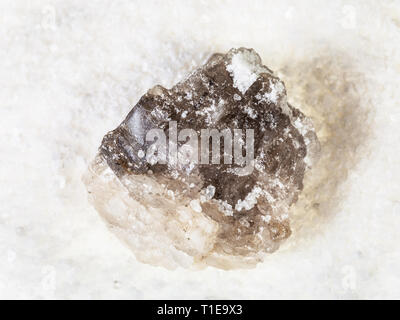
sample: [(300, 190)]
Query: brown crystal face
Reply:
[(230, 92)]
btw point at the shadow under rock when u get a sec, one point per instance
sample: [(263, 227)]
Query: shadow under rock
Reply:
[(329, 89)]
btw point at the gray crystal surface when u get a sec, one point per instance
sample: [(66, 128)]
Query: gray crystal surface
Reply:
[(194, 213)]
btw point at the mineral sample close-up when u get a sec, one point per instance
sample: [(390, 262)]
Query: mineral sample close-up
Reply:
[(228, 210)]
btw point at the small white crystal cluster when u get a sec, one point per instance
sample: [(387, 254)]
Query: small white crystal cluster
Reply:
[(245, 68)]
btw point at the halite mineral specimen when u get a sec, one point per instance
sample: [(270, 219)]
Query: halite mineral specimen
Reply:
[(193, 213)]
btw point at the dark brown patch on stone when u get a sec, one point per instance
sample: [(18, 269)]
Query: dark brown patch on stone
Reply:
[(209, 98)]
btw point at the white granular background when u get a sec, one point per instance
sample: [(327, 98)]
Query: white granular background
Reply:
[(71, 70)]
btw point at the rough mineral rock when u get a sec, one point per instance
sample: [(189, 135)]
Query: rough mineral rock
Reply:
[(188, 212)]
